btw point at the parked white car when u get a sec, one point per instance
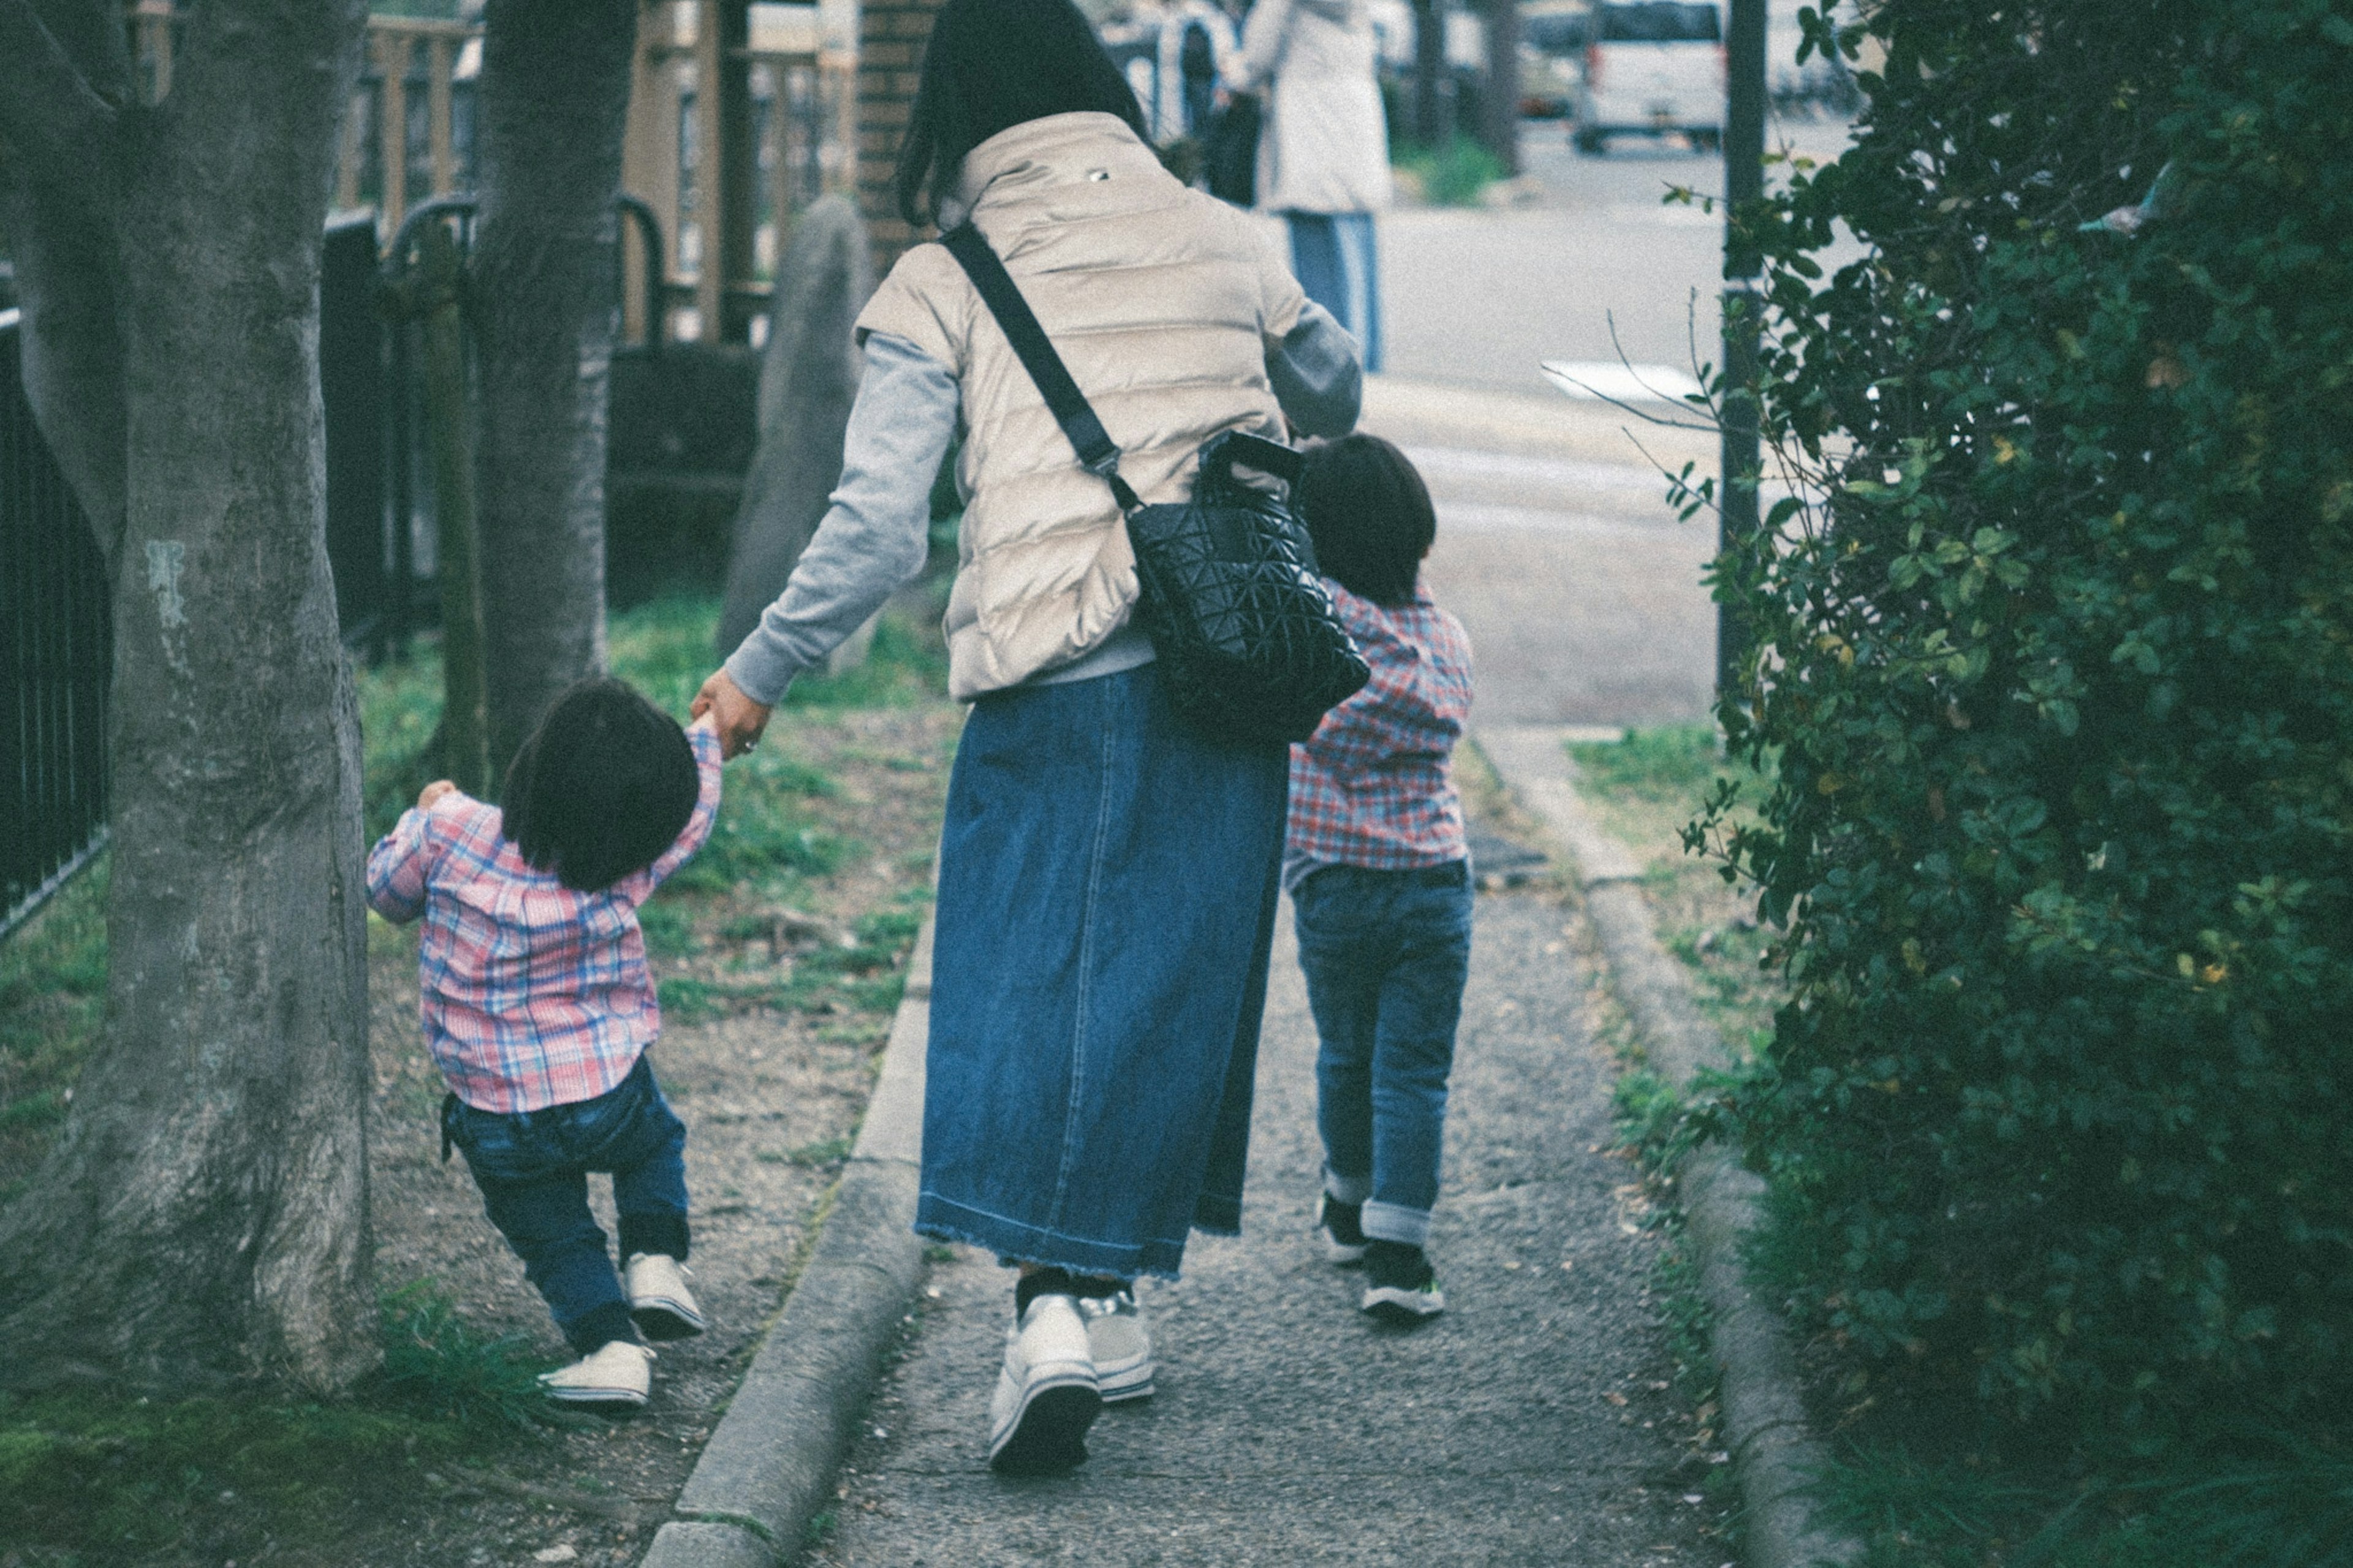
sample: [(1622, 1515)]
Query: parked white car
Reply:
[(1654, 67)]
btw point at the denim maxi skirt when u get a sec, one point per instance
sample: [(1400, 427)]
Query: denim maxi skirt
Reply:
[(1106, 906)]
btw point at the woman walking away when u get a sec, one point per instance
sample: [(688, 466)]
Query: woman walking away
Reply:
[(1107, 874), (1323, 151), (1379, 875)]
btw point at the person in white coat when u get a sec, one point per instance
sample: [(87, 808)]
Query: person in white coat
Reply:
[(1324, 149)]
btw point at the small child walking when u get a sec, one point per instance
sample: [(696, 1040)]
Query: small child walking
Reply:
[(1380, 876), (539, 1010)]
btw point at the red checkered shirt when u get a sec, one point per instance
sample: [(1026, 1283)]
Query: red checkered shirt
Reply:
[(1373, 786), (534, 994)]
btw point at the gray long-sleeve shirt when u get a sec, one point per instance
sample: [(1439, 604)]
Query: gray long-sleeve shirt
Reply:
[(876, 533)]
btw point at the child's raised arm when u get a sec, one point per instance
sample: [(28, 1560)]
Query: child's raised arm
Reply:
[(702, 735), (396, 866)]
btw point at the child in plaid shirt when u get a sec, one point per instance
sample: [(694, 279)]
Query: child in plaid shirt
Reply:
[(538, 1009), (1379, 875)]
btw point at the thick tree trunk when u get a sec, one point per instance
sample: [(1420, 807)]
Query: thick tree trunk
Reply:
[(204, 1215), (555, 99)]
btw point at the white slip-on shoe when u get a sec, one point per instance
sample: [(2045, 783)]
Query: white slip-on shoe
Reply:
[(1046, 1395), (659, 1302), (621, 1374), (1120, 1344)]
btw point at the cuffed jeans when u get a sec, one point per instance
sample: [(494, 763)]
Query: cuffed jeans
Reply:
[(532, 1168), (1385, 954)]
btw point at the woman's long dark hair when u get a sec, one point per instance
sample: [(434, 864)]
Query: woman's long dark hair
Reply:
[(991, 65)]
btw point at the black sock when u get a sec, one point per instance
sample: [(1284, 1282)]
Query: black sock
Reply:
[(1097, 1287), (1345, 1221), (1040, 1283), (1400, 1263), (661, 1231), (600, 1327)]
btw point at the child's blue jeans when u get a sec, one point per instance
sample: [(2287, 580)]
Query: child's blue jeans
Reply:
[(1385, 954), (532, 1167)]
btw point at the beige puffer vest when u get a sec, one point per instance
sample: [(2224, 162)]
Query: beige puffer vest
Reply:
[(1163, 302)]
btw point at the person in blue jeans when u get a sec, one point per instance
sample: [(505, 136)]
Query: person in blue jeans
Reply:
[(1379, 874), (539, 1010)]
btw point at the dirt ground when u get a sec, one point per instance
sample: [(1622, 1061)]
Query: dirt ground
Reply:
[(771, 1090)]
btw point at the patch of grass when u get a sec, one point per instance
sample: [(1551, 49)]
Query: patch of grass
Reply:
[(825, 1151), (52, 1001), (400, 718), (1452, 175), (669, 932), (437, 1368), (104, 1478)]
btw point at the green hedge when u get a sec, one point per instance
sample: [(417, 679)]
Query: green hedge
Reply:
[(2056, 658)]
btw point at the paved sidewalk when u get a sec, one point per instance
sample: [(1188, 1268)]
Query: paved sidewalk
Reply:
[(1528, 1425)]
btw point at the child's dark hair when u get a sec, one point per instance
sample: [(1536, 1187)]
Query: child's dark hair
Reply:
[(991, 65), (603, 787), (1369, 514)]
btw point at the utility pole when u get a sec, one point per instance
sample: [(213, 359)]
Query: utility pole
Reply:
[(1501, 131), (1429, 71), (1744, 185)]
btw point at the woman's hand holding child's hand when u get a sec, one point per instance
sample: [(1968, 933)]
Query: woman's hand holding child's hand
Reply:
[(434, 791), (737, 718)]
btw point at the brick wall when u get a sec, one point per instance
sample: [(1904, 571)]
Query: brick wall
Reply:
[(891, 35)]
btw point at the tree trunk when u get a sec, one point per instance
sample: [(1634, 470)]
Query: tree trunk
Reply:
[(465, 750), (203, 1217), (554, 99)]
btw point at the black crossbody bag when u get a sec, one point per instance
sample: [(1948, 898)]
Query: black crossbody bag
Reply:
[(1250, 647)]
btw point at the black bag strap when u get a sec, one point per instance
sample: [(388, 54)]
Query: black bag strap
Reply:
[(1097, 452)]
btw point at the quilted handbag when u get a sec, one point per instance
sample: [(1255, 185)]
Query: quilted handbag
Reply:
[(1250, 647)]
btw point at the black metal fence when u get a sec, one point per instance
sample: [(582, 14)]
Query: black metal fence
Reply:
[(57, 633), (56, 655)]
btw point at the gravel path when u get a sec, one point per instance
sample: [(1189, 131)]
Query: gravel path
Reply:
[(1531, 1424)]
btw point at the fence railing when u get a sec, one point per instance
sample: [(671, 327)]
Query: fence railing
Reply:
[(56, 655)]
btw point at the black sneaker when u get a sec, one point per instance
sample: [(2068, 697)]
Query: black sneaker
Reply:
[(1343, 1228), (1400, 1286)]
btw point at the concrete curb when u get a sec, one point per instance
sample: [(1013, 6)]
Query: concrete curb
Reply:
[(1774, 1455), (769, 1467)]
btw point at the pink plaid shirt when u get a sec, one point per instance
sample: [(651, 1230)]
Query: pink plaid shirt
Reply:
[(534, 994), (1373, 786)]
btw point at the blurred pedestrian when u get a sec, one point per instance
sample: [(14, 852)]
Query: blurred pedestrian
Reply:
[(1107, 882), (1379, 875), (539, 1010), (1323, 149)]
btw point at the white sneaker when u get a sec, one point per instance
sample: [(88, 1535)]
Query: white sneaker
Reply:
[(1120, 1346), (659, 1302), (1046, 1394), (621, 1374)]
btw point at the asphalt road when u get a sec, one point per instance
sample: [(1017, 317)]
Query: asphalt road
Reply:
[(1579, 584), (1478, 297)]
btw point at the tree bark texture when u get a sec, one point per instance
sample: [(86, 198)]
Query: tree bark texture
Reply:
[(203, 1217), (555, 99), (808, 379)]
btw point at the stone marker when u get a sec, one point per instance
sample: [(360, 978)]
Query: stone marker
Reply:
[(808, 375)]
